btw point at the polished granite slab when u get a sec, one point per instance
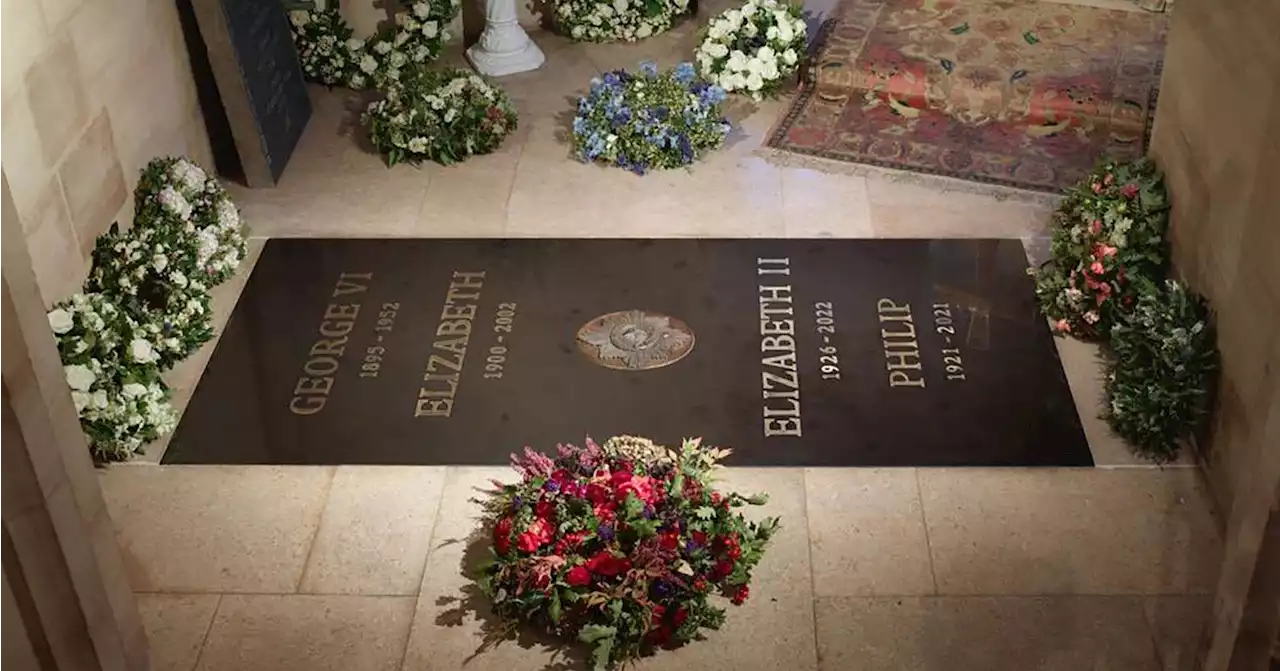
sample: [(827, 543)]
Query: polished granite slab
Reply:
[(793, 352)]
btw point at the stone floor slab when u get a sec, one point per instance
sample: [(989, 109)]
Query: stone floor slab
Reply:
[(176, 626), (866, 532), (307, 633), (375, 531), (1178, 625), (215, 528), (988, 633), (1069, 531)]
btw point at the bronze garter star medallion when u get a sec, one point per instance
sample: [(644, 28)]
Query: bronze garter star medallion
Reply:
[(635, 340)]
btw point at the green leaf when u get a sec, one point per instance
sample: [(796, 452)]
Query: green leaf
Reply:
[(1031, 37), (960, 29), (554, 609), (947, 65), (704, 512), (595, 632)]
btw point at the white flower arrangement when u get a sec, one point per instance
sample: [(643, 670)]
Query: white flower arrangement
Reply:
[(443, 116), (330, 55), (754, 48), (146, 304), (616, 20), (111, 365)]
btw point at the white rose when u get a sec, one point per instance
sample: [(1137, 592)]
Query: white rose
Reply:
[(719, 50), (383, 47), (645, 30), (81, 400), (142, 351), (771, 33), (299, 18), (620, 6), (368, 64), (734, 17), (99, 399), (737, 61), (160, 261), (450, 114), (785, 32), (770, 71), (354, 45), (749, 9), (422, 9), (60, 321), (430, 29), (755, 82), (133, 390), (789, 57), (79, 377)]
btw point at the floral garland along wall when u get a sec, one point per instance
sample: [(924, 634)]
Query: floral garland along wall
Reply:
[(1107, 280), (146, 306)]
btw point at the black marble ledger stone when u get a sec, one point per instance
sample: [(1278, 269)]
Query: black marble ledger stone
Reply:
[(793, 352)]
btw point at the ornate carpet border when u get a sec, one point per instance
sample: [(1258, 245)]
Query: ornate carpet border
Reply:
[(1000, 188)]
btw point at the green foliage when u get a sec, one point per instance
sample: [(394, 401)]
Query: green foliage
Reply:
[(1108, 233), (1163, 366), (146, 304), (442, 116), (1105, 280), (620, 547)]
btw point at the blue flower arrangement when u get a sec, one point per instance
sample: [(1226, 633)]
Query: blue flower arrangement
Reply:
[(652, 120)]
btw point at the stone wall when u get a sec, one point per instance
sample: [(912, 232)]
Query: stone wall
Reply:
[(1217, 136), (92, 90)]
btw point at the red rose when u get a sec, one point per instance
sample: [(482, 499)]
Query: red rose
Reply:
[(537, 535), (659, 636), (1129, 190), (700, 537), (608, 565), (680, 616), (716, 498), (541, 580), (578, 576), (604, 512), (700, 585), (640, 485), (741, 595), (502, 536), (597, 494), (619, 478), (545, 510), (668, 541), (734, 552), (656, 617), (723, 568)]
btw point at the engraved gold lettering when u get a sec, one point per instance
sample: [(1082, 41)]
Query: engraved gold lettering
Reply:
[(336, 329), (901, 350), (311, 392), (307, 405), (452, 363), (777, 327), (780, 410), (782, 426), (433, 407), (449, 352)]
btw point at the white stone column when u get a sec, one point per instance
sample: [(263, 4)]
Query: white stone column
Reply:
[(504, 48)]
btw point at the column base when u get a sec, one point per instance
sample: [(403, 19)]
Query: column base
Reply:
[(498, 64)]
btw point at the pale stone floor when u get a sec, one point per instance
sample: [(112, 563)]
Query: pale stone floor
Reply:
[(353, 568)]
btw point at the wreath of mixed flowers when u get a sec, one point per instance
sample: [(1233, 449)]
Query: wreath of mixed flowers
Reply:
[(620, 546), (443, 116), (146, 304), (616, 20), (655, 120), (1108, 230), (1106, 280), (330, 55), (753, 48)]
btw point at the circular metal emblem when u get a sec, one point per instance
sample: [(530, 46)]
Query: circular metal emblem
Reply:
[(635, 340)]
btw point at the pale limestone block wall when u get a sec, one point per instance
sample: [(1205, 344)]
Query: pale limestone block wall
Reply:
[(92, 90), (1217, 136)]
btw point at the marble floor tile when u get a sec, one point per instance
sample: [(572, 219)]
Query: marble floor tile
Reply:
[(176, 626), (215, 528), (824, 205), (988, 633), (302, 632), (903, 209), (1069, 531), (867, 532), (1178, 625), (375, 531), (471, 199)]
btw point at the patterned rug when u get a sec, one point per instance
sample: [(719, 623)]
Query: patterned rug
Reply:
[(1009, 92)]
